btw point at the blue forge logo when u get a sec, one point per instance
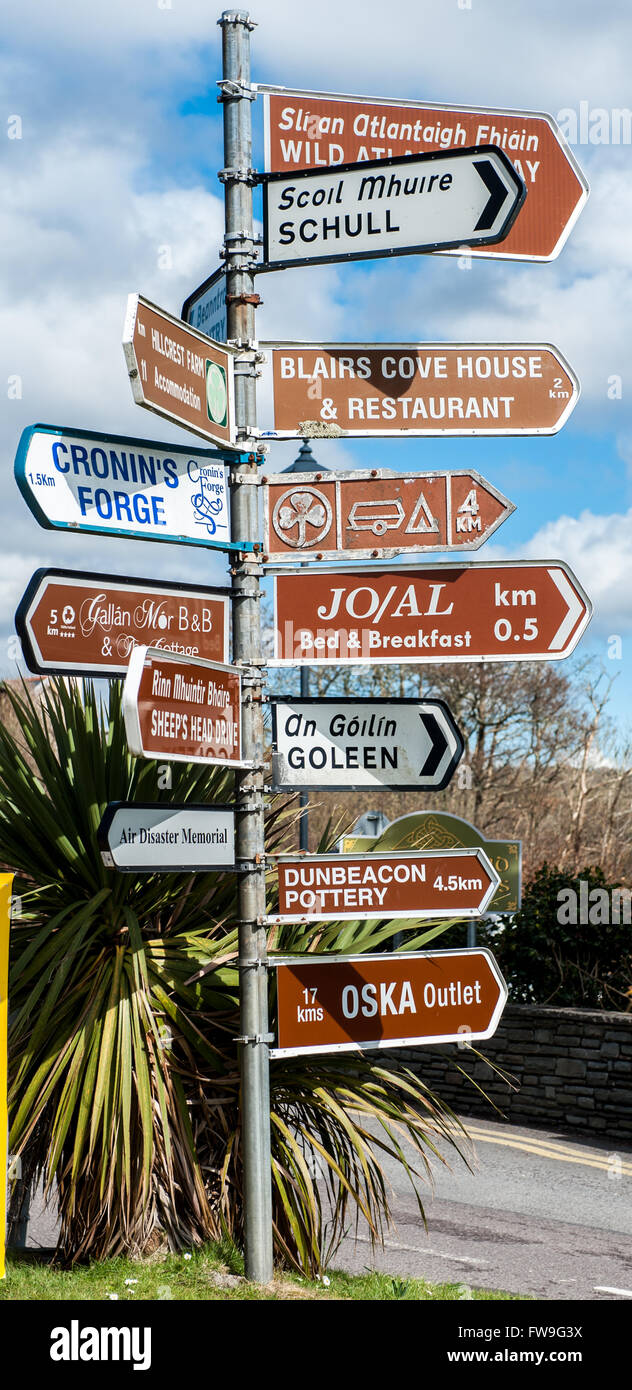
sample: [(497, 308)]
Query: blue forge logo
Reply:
[(208, 502)]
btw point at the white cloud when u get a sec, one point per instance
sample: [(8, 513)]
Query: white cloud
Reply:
[(599, 552)]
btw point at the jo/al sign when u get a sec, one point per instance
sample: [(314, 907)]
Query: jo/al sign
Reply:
[(371, 513), (142, 838), (179, 373), (80, 480), (391, 207), (337, 1003), (307, 129), (361, 389), (346, 745), (182, 709), (87, 624), (336, 887), (509, 611)]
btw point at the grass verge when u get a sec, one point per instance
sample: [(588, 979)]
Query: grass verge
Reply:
[(214, 1272)]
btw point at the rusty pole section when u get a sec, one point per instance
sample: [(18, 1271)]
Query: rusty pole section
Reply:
[(241, 300)]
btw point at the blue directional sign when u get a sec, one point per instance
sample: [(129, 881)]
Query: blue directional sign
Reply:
[(79, 480)]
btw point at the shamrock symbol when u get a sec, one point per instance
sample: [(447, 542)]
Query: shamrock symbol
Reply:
[(296, 510)]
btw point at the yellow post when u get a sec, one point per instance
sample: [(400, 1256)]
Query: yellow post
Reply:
[(6, 882)]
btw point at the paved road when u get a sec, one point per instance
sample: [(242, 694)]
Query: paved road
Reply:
[(542, 1214)]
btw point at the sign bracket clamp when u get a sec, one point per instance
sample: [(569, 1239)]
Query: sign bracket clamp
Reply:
[(256, 1038)]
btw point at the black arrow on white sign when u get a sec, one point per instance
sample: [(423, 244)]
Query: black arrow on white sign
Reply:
[(350, 745), (498, 194), (390, 207)]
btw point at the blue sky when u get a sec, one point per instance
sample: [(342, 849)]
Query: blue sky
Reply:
[(120, 144)]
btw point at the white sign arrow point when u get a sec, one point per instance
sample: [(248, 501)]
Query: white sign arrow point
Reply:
[(575, 610)]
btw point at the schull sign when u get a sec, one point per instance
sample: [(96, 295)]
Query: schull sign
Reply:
[(391, 207)]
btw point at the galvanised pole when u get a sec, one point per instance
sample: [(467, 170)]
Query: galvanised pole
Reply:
[(241, 300)]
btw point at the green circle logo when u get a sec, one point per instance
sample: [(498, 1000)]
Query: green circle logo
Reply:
[(216, 393)]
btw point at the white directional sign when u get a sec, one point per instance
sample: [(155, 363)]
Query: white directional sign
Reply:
[(79, 480), (137, 837), (390, 207), (346, 745)]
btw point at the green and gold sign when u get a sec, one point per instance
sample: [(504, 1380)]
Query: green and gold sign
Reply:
[(438, 830)]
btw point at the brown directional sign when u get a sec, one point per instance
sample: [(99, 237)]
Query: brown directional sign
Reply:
[(87, 624), (371, 513), (179, 373), (307, 129), (509, 611), (182, 710), (336, 887), (336, 1003), (385, 389)]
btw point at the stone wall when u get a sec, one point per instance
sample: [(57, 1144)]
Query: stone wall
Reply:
[(570, 1069)]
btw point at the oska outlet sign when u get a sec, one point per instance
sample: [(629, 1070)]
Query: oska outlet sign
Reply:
[(524, 611), (308, 129), (182, 710), (87, 624), (439, 883), (334, 1004)]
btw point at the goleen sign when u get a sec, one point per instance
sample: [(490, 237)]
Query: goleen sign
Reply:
[(182, 710), (340, 1003)]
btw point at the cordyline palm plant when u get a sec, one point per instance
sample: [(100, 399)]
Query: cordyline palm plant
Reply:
[(124, 1084)]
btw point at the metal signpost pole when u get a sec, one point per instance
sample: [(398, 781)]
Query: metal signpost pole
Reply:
[(236, 96)]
